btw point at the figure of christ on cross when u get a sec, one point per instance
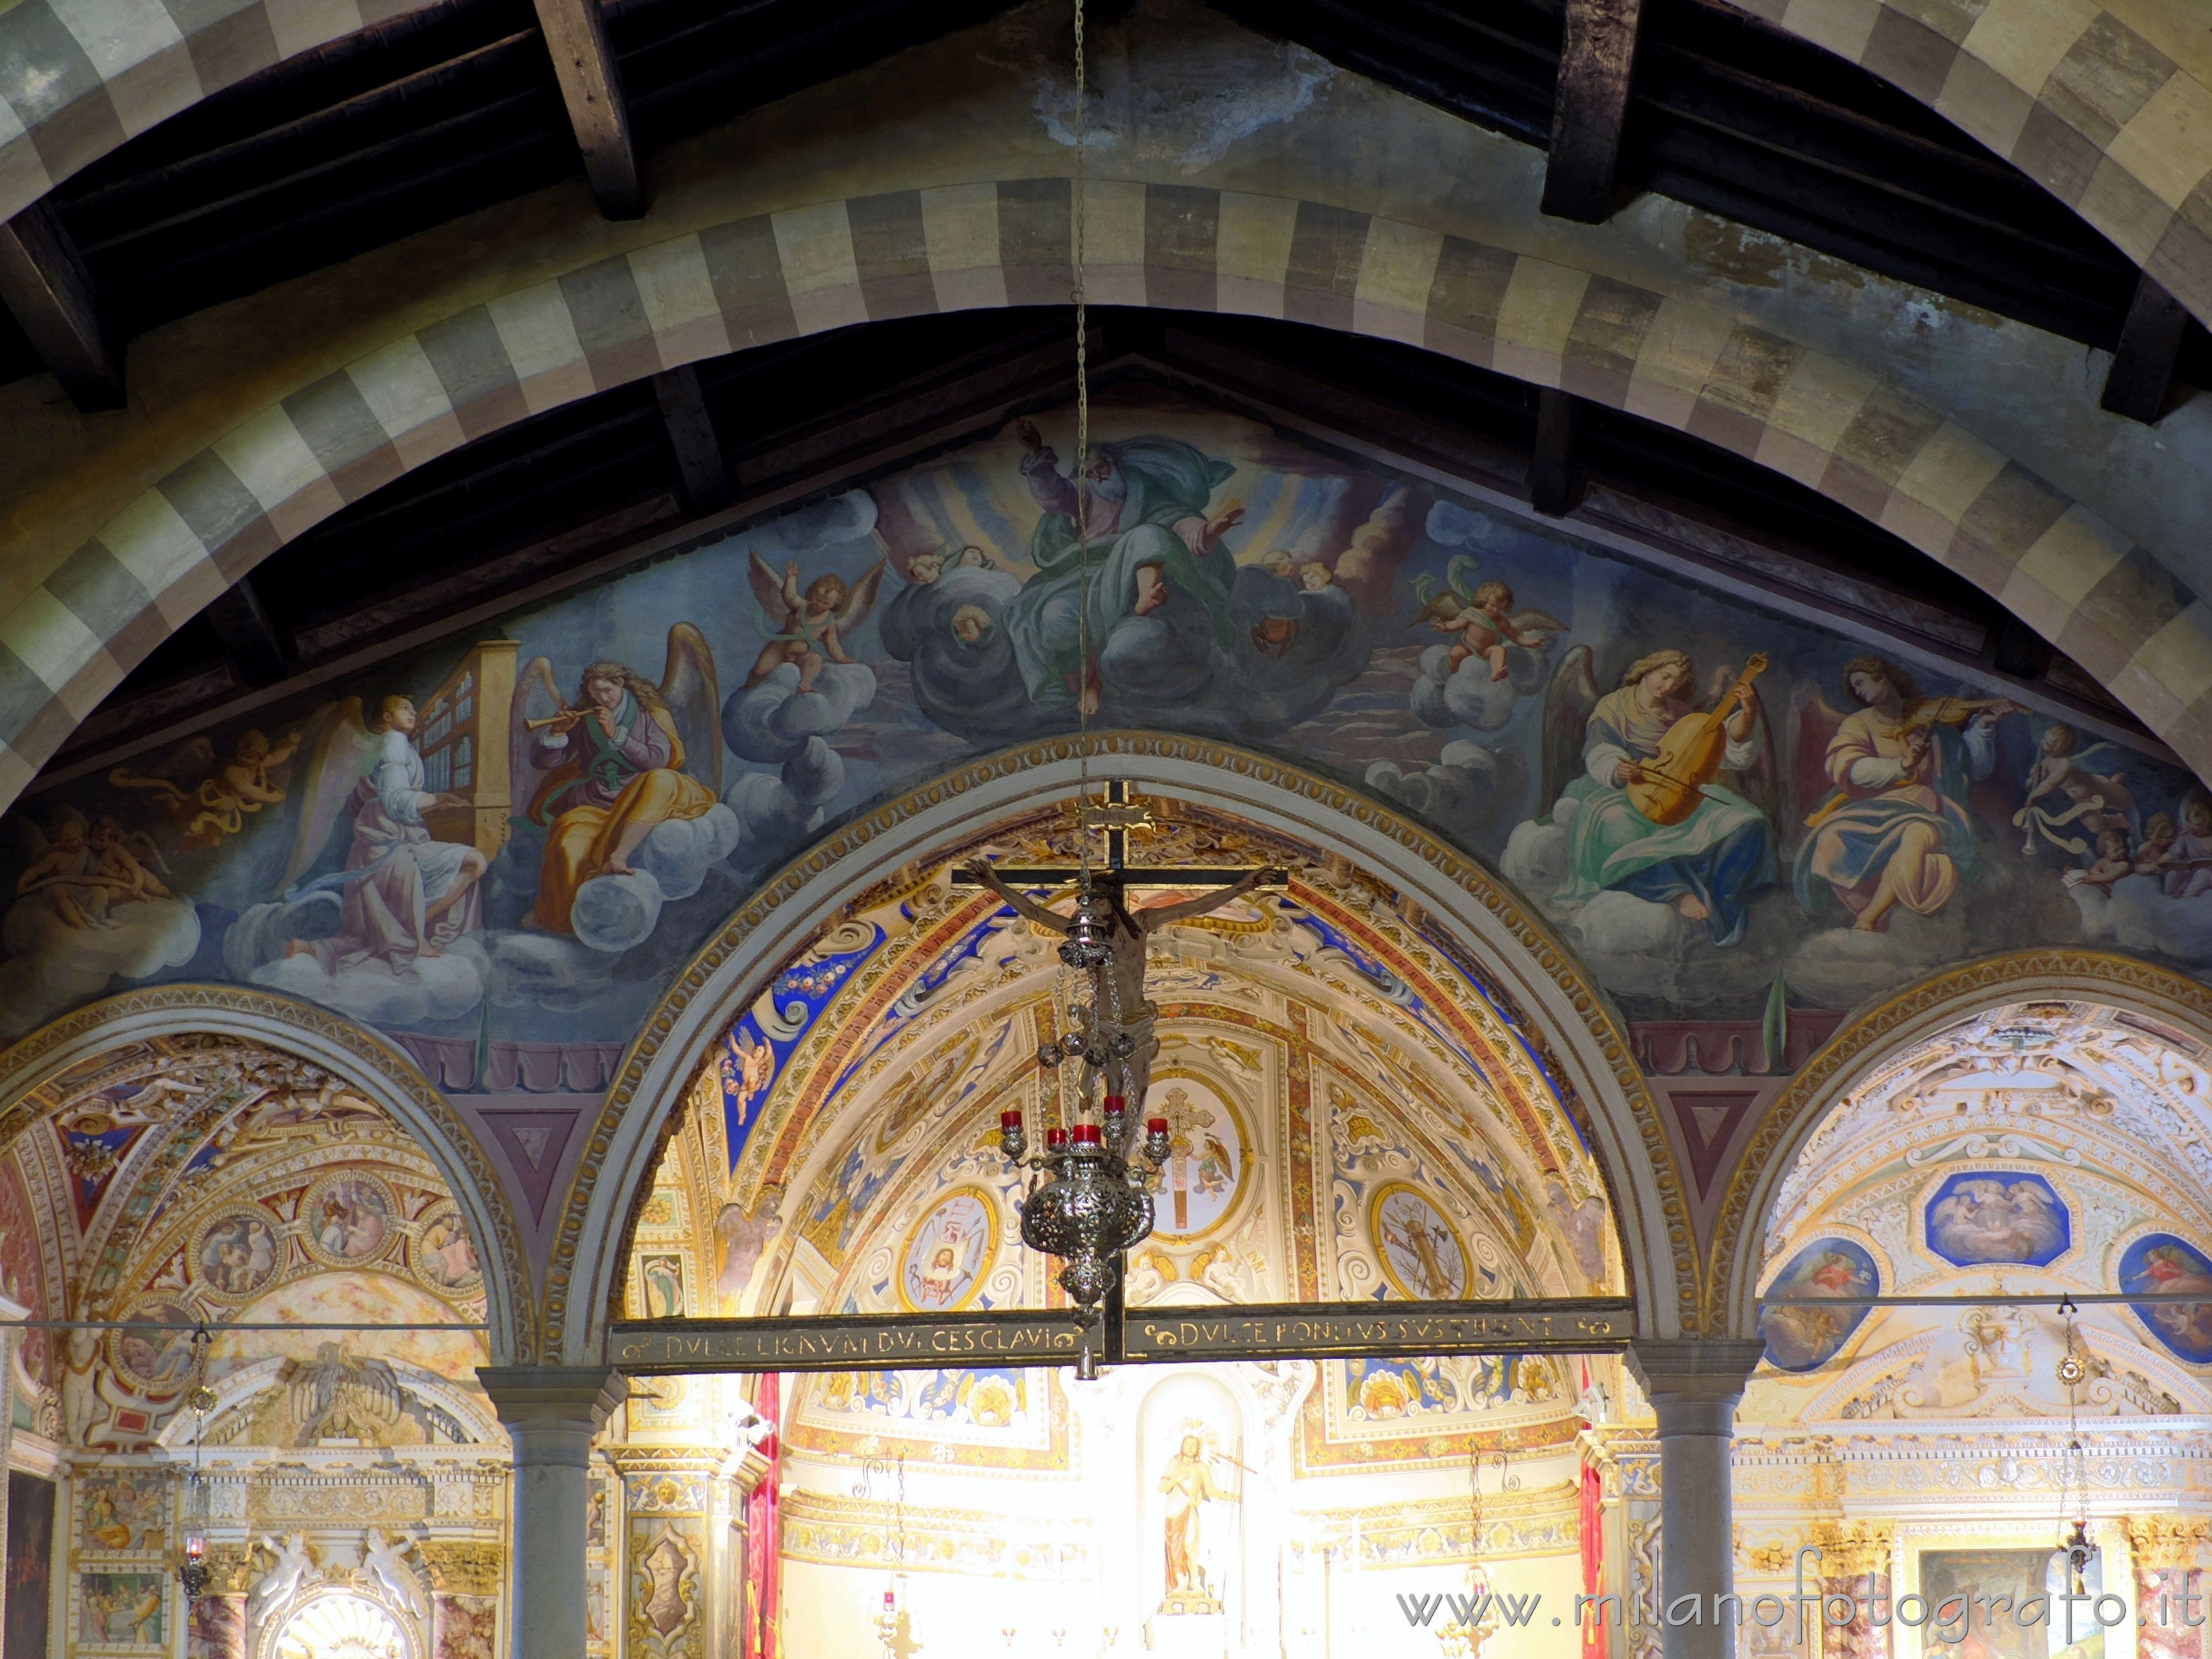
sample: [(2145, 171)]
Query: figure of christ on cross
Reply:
[(1118, 986)]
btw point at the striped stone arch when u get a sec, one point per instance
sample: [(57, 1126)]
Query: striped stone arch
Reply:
[(1569, 1023), (2107, 105), (1737, 1258), (2060, 567), (363, 1059)]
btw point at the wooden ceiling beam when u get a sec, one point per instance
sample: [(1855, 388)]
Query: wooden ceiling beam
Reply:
[(1554, 483), (1597, 58), (2150, 344), (691, 436), (45, 283), (590, 84), (257, 651)]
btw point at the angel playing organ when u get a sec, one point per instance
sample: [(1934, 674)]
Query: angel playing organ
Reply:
[(812, 622)]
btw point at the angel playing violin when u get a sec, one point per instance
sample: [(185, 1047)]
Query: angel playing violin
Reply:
[(811, 623)]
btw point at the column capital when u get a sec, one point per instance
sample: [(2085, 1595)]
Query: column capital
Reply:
[(1700, 1370), (528, 1397)]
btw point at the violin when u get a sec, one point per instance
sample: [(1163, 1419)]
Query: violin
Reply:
[(1666, 790)]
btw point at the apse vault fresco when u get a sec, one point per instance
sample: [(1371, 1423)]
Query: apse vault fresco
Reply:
[(503, 846), (2039, 1148)]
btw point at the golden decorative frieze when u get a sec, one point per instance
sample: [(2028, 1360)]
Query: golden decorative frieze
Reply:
[(461, 1568)]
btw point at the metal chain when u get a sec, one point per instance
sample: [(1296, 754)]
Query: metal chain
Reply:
[(1082, 469)]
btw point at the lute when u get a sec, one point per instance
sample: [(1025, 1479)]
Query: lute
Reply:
[(1669, 787)]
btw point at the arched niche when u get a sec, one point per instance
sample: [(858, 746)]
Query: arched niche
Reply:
[(1874, 1040), (365, 1061), (1565, 1019)]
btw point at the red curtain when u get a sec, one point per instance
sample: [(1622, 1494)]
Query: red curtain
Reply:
[(1593, 1548), (763, 1547)]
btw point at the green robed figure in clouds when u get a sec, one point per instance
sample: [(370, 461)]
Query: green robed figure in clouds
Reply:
[(1143, 505)]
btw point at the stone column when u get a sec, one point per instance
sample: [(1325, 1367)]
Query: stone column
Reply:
[(551, 1413), (1693, 1387)]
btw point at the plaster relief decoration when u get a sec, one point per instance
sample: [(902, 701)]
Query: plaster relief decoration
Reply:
[(342, 1626), (1980, 1217), (1208, 1158), (1804, 1339), (2160, 1263), (532, 828)]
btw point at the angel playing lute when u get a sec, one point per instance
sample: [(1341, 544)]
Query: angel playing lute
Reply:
[(810, 625)]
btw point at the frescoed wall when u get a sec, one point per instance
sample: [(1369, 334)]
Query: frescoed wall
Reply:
[(502, 847)]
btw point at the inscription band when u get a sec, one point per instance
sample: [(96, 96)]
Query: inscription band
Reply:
[(1276, 1331)]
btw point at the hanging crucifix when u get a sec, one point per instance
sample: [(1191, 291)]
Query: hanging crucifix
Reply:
[(1119, 983), (1093, 1208)]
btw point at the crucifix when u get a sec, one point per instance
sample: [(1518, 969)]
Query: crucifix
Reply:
[(1106, 936)]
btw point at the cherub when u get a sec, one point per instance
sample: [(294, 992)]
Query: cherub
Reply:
[(2113, 862), (2099, 802), (119, 869), (1313, 575), (812, 623), (66, 872), (924, 568), (2188, 864), (970, 623), (2158, 837), (1484, 616), (1279, 565), (216, 807)]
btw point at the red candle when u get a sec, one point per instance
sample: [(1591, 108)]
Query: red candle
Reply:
[(1155, 1126), (1011, 1120), (1117, 1104), (1055, 1137), (1086, 1134)]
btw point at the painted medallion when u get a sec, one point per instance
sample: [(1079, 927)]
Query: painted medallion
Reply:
[(1208, 1157), (2160, 1263), (348, 1219), (944, 1258), (1422, 1254), (444, 1255), (237, 1255), (155, 1357), (1802, 1338)]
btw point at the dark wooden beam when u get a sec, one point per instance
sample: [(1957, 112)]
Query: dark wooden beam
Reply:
[(256, 649), (2150, 342), (591, 83), (46, 285), (691, 436), (1597, 57), (1554, 489)]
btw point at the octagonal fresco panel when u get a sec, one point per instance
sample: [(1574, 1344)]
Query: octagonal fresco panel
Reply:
[(1978, 1217), (1802, 1338)]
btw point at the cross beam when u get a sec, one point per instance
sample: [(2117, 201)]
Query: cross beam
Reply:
[(1116, 816), (1292, 1330)]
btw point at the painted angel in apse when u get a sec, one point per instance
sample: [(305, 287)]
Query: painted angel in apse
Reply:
[(627, 755), (2063, 794), (403, 894), (810, 625), (1482, 616), (1710, 865), (1894, 827)]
